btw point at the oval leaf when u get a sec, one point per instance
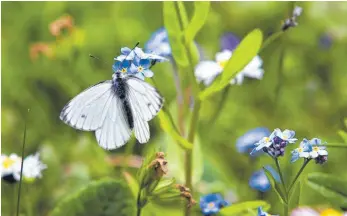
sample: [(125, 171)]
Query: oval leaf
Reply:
[(201, 9), (175, 32), (244, 207), (105, 197), (243, 54), (331, 187)]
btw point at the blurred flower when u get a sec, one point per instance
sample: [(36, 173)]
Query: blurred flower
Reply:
[(291, 22), (159, 43), (137, 54), (259, 180), (247, 141), (37, 48), (325, 41), (32, 168), (330, 212), (229, 41), (207, 71), (275, 144), (212, 203), (8, 167), (159, 164), (64, 22), (262, 213), (307, 211)]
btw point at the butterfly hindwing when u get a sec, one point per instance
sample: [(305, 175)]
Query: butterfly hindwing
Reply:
[(84, 111), (145, 103)]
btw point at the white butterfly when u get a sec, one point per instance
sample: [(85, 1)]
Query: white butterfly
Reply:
[(113, 108)]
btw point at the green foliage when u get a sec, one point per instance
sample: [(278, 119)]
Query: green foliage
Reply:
[(243, 54), (331, 187), (201, 9), (244, 208), (276, 186), (104, 197), (294, 196)]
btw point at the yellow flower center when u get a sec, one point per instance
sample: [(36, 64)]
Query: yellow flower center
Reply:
[(123, 70), (300, 150), (140, 69), (315, 148), (330, 212), (7, 163), (210, 205), (222, 63), (267, 139)]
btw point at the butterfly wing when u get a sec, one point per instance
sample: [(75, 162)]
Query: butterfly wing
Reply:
[(115, 130), (85, 111), (145, 102)]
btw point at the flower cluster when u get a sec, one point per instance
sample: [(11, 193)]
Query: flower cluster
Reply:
[(212, 203), (207, 71), (136, 62), (11, 168), (275, 144), (159, 43), (311, 149)]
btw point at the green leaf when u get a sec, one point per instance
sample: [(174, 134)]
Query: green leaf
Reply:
[(244, 207), (163, 186), (343, 135), (243, 54), (175, 32), (275, 186), (167, 126), (201, 9), (104, 197), (345, 122), (294, 197), (331, 187)]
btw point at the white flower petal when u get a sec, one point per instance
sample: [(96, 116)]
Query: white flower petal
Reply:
[(323, 152), (313, 154), (223, 56), (206, 71)]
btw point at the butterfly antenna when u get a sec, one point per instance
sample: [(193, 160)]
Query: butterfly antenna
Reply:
[(94, 57), (129, 53)]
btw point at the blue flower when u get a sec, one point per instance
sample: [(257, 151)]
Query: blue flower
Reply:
[(229, 41), (121, 66), (311, 149), (291, 22), (262, 213), (212, 203), (247, 141), (137, 53), (302, 152), (259, 180), (275, 144), (140, 68), (159, 43)]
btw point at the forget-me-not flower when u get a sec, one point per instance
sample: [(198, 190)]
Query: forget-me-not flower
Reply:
[(259, 180), (207, 71), (311, 149), (275, 144), (212, 203), (159, 43), (136, 62), (247, 141)]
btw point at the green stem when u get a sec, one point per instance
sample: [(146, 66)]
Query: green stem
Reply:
[(285, 209), (298, 174), (281, 176), (138, 212), (336, 146), (139, 207)]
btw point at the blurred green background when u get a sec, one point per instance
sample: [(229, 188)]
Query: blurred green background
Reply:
[(307, 94)]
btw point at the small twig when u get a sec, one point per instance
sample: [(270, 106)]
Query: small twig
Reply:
[(21, 168)]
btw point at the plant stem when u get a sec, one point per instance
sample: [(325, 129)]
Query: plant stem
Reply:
[(281, 176), (139, 208), (298, 174), (138, 212)]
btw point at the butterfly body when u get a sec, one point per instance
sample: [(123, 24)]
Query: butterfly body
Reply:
[(113, 109)]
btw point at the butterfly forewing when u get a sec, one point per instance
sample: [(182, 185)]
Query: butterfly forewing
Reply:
[(85, 110)]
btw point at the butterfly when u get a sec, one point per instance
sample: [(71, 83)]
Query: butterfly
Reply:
[(114, 108)]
